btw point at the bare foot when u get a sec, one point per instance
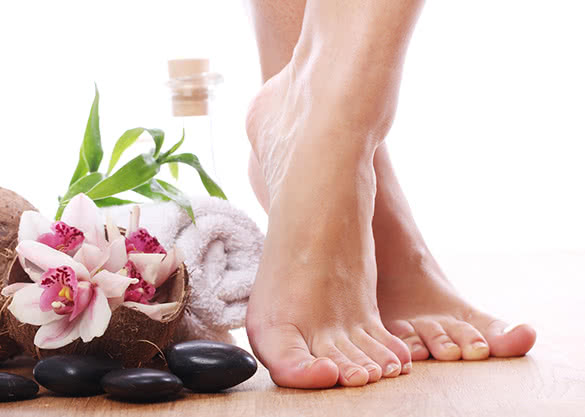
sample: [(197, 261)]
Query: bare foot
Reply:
[(417, 302), (312, 318)]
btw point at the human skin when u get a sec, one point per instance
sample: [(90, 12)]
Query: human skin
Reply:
[(344, 262)]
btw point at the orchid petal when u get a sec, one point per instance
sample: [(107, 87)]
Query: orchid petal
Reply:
[(113, 231), (154, 311), (48, 296), (33, 271), (57, 333), (141, 241), (92, 257), (147, 264), (26, 308), (168, 266), (63, 237), (32, 225), (134, 220), (113, 285), (96, 317), (118, 256), (115, 302), (82, 213), (45, 258), (11, 289), (83, 296)]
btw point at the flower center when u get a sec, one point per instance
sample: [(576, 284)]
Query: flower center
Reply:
[(66, 292)]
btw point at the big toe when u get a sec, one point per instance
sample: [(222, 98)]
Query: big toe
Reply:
[(508, 341), (284, 352)]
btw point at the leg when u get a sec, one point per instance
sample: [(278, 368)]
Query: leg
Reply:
[(416, 301), (411, 287), (313, 317)]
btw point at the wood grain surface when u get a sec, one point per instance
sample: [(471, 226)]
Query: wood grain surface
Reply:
[(545, 290)]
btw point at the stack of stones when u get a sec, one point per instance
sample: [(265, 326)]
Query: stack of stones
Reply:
[(199, 365)]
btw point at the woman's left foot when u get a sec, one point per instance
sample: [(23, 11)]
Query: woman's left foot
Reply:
[(417, 303)]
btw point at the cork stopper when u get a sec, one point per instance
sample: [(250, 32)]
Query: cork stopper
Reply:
[(186, 68), (192, 86)]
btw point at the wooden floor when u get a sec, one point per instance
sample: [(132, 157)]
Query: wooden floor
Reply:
[(546, 290)]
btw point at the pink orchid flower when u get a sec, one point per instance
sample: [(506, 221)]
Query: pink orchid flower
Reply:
[(152, 265), (74, 272)]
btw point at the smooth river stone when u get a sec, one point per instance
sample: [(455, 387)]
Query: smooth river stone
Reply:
[(206, 366), (74, 375), (15, 387), (141, 384)]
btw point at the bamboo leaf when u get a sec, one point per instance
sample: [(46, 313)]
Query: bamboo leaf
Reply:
[(113, 201), (92, 144), (159, 137), (174, 168), (173, 148), (189, 159), (90, 152), (124, 142), (176, 195), (81, 168), (82, 185), (131, 175), (159, 190), (146, 191)]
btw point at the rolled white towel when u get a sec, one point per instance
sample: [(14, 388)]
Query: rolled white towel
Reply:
[(222, 254)]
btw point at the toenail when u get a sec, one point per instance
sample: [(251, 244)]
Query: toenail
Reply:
[(351, 373), (450, 345), (392, 370), (479, 345), (406, 368), (416, 347), (308, 363), (511, 327), (371, 368)]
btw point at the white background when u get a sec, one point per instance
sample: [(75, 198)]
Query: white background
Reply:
[(488, 143)]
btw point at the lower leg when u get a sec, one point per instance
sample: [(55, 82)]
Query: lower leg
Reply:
[(313, 317), (414, 296), (416, 300)]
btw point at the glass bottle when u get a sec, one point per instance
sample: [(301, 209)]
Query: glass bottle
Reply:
[(193, 88)]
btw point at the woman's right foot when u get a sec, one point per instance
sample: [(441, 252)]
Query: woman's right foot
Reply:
[(312, 318)]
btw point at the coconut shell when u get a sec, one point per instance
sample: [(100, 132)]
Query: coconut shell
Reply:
[(11, 207), (131, 336)]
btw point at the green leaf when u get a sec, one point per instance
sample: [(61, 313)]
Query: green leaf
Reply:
[(124, 142), (188, 158), (82, 185), (135, 173), (128, 139), (90, 152), (159, 190), (172, 192), (146, 191), (113, 201), (174, 168), (81, 168), (159, 137), (173, 148), (92, 144)]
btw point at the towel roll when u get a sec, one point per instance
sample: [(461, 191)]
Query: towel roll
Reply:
[(222, 254)]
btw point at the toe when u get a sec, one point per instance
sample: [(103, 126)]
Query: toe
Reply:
[(404, 330), (387, 360), (360, 357), (437, 340), (472, 344), (397, 346), (505, 340), (350, 373), (285, 353)]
